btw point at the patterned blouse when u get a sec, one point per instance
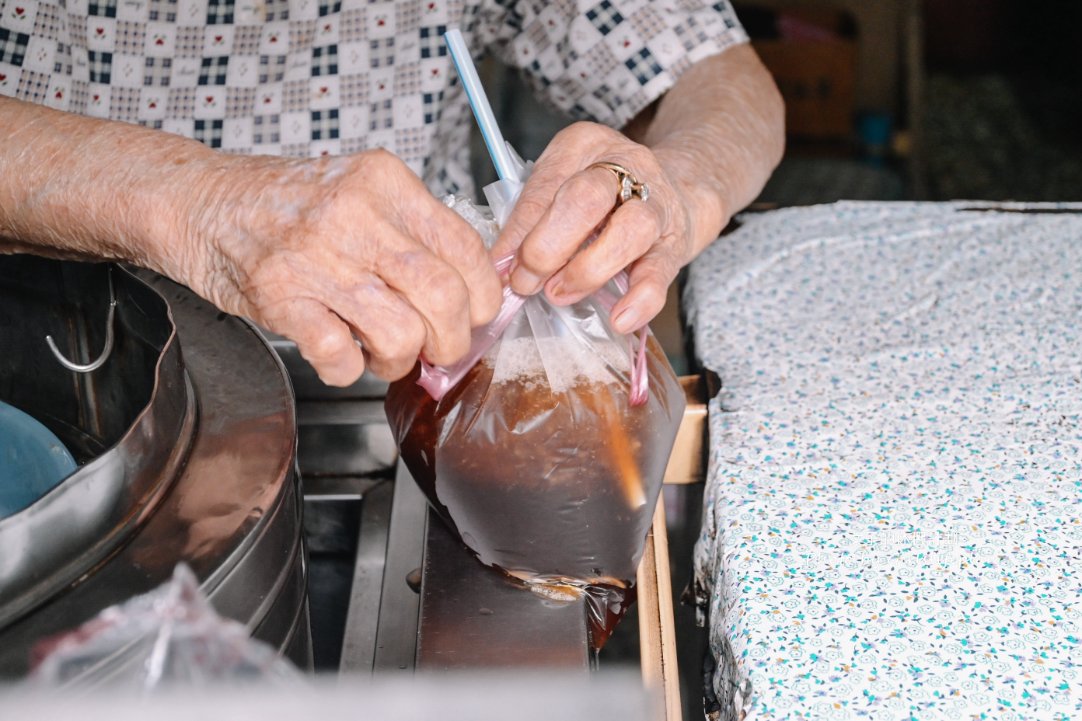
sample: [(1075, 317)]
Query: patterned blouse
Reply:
[(305, 78)]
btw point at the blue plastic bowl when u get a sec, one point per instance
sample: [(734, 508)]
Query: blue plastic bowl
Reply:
[(32, 460)]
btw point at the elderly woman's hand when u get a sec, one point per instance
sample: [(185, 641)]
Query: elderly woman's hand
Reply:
[(568, 198), (331, 250), (708, 148), (328, 252)]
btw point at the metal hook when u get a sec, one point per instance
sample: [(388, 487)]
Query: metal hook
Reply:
[(100, 360)]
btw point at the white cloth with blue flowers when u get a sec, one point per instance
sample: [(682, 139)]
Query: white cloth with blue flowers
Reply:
[(893, 516)]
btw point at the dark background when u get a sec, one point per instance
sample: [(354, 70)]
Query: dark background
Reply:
[(983, 100), (1010, 74)]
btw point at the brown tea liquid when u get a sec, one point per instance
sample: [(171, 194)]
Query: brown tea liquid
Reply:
[(553, 481)]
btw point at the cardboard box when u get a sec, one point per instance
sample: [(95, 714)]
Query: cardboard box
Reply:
[(817, 79)]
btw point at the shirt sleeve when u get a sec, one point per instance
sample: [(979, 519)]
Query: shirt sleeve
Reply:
[(607, 60)]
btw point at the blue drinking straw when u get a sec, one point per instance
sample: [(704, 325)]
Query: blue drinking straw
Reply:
[(482, 111)]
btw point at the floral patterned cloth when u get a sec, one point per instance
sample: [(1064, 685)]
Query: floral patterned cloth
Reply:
[(893, 516)]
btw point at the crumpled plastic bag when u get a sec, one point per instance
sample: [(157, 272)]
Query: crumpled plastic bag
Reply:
[(168, 637), (546, 447)]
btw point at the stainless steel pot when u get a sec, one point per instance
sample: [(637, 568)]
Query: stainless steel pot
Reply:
[(186, 438)]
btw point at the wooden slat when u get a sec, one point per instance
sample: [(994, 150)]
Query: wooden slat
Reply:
[(657, 631), (657, 625), (686, 462)]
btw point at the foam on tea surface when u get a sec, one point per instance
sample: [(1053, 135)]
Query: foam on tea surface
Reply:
[(561, 363)]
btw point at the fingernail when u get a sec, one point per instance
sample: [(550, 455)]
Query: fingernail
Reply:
[(524, 282), (557, 291), (626, 320)]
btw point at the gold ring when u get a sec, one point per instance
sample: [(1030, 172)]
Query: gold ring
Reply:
[(630, 187)]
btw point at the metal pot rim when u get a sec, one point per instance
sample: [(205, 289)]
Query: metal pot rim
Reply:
[(88, 515)]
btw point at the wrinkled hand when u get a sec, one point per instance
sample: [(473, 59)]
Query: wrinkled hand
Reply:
[(564, 203), (333, 251)]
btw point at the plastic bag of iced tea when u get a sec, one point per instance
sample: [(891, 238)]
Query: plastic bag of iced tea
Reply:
[(545, 449)]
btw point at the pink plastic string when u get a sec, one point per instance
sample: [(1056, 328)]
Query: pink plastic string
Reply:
[(437, 380), (639, 392), (640, 379)]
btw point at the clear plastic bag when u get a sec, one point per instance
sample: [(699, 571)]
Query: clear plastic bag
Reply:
[(168, 637), (545, 449)]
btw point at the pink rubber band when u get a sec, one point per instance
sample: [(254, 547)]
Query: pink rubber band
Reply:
[(437, 380)]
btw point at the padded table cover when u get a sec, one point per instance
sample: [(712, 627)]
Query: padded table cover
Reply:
[(892, 517)]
